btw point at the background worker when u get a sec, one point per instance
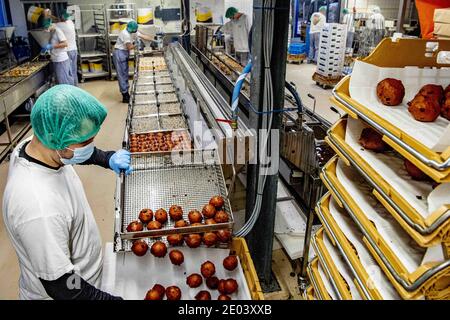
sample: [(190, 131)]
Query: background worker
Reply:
[(376, 25), (45, 209), (67, 26), (238, 28), (58, 53), (349, 21), (318, 20), (121, 54)]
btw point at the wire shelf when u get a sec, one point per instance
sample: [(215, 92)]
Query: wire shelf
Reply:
[(188, 179)]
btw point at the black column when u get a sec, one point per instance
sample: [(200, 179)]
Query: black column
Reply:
[(186, 25), (260, 239)]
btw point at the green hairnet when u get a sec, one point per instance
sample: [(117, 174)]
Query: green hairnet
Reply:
[(231, 11), (46, 23), (65, 115), (65, 15), (345, 11), (132, 26), (323, 8)]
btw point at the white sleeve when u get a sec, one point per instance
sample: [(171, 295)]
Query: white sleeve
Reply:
[(61, 35), (226, 28), (46, 243), (126, 38)]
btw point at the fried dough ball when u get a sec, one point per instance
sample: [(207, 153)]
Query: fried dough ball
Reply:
[(370, 139), (146, 215), (161, 215), (176, 213), (390, 92), (194, 280), (445, 109), (424, 109), (139, 247), (415, 172), (432, 91)]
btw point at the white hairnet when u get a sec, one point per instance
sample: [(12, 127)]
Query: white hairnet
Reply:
[(376, 9)]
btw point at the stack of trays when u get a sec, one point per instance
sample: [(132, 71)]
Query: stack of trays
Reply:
[(156, 119), (392, 232)]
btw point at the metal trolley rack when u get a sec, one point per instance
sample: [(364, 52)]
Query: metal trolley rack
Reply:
[(92, 42)]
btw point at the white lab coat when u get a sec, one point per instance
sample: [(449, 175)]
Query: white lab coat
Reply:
[(314, 28), (58, 54), (124, 38), (51, 225), (68, 28), (376, 22), (239, 30)]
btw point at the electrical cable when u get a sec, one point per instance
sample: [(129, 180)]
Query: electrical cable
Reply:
[(267, 116)]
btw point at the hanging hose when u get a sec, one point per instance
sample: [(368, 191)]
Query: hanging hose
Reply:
[(237, 91)]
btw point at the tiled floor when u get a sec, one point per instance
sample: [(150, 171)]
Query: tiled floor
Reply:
[(100, 183)]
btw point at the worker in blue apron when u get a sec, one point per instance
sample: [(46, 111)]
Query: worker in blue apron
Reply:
[(122, 48)]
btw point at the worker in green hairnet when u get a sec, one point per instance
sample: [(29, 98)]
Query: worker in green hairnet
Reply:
[(45, 209), (237, 29), (124, 45)]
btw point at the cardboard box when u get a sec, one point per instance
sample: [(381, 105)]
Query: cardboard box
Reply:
[(442, 29), (442, 15)]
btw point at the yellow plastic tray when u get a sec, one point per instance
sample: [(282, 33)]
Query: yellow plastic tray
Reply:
[(437, 280), (239, 248), (319, 288), (309, 294), (408, 52), (326, 261), (332, 229), (336, 139)]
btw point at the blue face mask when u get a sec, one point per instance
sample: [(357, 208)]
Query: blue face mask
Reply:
[(80, 155)]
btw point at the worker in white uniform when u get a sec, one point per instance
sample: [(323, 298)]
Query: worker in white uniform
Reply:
[(67, 26), (58, 53), (376, 25), (318, 20), (121, 54), (349, 21), (45, 209), (238, 28)]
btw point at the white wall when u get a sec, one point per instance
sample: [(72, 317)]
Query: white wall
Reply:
[(18, 18), (389, 8)]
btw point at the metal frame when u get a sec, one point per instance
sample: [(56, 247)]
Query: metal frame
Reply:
[(421, 229), (419, 156), (406, 285), (99, 15)]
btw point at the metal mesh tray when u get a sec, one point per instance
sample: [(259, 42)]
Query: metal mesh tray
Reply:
[(172, 122), (144, 124), (144, 98), (143, 110), (188, 179), (167, 97), (158, 141)]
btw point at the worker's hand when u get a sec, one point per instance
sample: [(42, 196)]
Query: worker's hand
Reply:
[(121, 160), (47, 47)]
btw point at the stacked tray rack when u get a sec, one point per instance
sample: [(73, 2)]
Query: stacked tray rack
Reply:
[(160, 179), (393, 236)]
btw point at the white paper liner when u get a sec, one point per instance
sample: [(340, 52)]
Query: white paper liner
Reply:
[(390, 166), (342, 267), (402, 245), (377, 278), (327, 283), (130, 276), (363, 82)]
